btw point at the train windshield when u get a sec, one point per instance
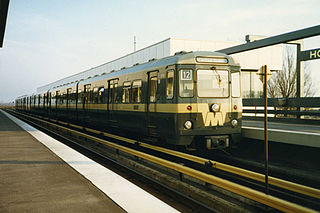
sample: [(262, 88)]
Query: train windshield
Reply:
[(213, 83), (235, 80)]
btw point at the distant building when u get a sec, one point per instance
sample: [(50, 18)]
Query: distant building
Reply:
[(249, 61)]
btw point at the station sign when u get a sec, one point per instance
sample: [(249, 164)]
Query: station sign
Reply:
[(264, 71), (309, 55)]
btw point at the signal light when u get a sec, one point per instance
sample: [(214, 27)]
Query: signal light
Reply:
[(235, 107), (189, 108)]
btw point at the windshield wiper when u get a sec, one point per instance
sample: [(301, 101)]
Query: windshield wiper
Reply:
[(218, 76)]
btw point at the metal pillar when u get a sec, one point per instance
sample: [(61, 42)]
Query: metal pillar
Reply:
[(300, 75), (4, 5), (266, 144)]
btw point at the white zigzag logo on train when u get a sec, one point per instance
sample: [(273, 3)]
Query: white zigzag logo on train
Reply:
[(213, 119)]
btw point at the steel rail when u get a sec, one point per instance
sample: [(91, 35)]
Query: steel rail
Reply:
[(295, 187), (252, 194), (312, 192), (306, 190)]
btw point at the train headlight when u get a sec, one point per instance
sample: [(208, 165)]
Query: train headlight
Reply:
[(188, 124), (215, 107), (234, 123)]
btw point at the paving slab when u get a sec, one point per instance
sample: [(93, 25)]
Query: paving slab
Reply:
[(33, 179)]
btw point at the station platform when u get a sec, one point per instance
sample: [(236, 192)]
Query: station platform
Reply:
[(40, 174), (290, 133)]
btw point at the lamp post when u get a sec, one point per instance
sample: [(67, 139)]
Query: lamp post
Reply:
[(265, 75)]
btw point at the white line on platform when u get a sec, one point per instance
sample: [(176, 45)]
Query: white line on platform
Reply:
[(127, 195), (310, 139), (282, 130)]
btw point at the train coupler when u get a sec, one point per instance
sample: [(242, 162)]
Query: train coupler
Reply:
[(217, 142)]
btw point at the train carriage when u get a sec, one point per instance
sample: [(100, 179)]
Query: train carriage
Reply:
[(191, 99)]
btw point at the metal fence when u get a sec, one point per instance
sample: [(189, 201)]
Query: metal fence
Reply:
[(284, 109)]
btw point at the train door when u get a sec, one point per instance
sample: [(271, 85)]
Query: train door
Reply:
[(46, 99), (24, 103), (68, 98), (49, 102), (86, 97), (77, 101), (151, 100), (236, 102), (44, 106), (112, 102)]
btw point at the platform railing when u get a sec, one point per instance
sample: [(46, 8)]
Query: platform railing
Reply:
[(284, 109)]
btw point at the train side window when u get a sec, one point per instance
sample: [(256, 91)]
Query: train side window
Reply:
[(95, 95), (126, 92), (136, 91), (74, 97), (101, 98), (91, 96), (63, 98), (113, 91), (235, 84), (87, 88), (44, 100), (79, 96), (169, 84), (153, 89), (115, 94), (69, 92), (86, 93), (101, 95), (57, 97), (186, 83)]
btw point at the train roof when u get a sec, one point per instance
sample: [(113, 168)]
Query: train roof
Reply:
[(178, 58)]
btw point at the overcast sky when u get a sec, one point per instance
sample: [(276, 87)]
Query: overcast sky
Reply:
[(48, 40)]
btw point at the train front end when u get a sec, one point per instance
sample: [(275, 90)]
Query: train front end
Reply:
[(209, 101)]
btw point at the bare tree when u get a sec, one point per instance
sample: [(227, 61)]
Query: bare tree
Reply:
[(284, 82), (309, 89)]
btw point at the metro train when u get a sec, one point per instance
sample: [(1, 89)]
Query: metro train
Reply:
[(191, 99)]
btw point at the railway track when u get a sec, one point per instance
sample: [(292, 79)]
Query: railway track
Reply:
[(200, 174)]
